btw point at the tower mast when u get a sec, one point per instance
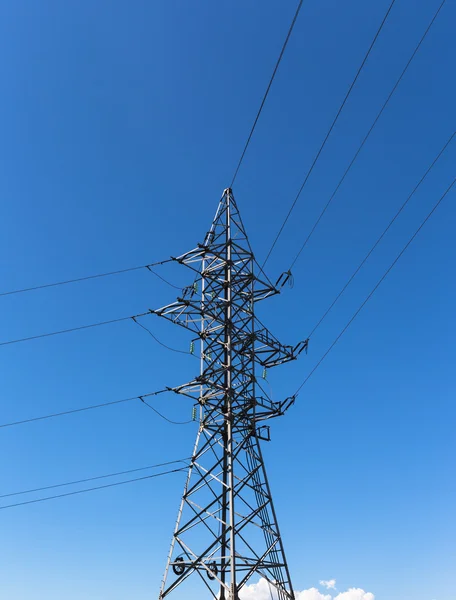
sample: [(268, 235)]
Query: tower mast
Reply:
[(226, 531)]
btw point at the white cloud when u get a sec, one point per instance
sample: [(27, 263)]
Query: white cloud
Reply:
[(263, 591), (312, 594), (355, 594), (329, 584), (257, 591)]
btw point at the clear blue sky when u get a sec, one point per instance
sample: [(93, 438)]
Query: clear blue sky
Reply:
[(121, 123)]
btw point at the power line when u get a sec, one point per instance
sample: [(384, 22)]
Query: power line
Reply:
[(382, 235), (267, 91), (97, 324), (76, 410), (329, 132), (100, 487), (375, 288), (176, 287), (157, 340), (367, 135), (61, 331), (97, 276), (163, 416), (87, 479)]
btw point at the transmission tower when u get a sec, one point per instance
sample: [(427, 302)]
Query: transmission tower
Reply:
[(226, 530)]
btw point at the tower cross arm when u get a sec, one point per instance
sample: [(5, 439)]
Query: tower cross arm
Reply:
[(188, 312), (269, 351), (267, 409)]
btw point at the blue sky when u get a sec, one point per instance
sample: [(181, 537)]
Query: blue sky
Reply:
[(121, 123)]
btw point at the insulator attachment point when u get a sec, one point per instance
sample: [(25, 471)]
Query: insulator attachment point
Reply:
[(284, 277)]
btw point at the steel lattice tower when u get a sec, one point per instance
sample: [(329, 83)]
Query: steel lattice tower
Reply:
[(226, 529)]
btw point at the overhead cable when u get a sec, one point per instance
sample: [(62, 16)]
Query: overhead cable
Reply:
[(325, 208), (382, 235), (163, 416), (317, 156), (267, 91), (374, 289), (176, 287), (61, 331), (76, 410), (99, 487), (99, 275), (157, 340), (87, 479), (90, 326)]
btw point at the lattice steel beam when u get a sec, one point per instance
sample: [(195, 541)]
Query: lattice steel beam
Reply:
[(227, 531)]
